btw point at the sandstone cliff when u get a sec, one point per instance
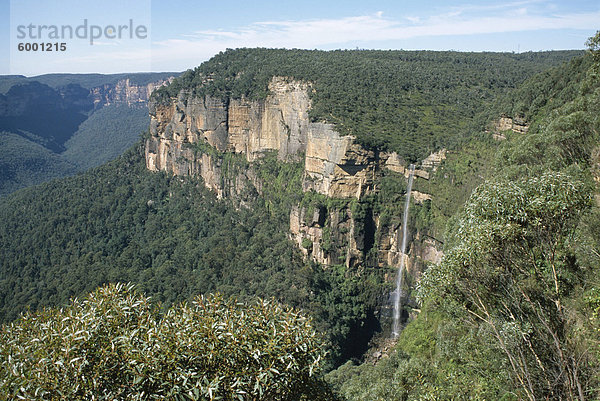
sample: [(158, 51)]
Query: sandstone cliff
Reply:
[(334, 165), (190, 135), (505, 123), (125, 92)]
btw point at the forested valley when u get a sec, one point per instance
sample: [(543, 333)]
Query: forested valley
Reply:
[(57, 125), (221, 304)]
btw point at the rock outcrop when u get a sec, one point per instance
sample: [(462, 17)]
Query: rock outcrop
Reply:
[(190, 135), (434, 160), (125, 92), (420, 197), (279, 123), (338, 168), (324, 235), (334, 165), (505, 123)]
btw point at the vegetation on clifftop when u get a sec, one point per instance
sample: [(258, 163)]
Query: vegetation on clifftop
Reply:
[(411, 102), (512, 313)]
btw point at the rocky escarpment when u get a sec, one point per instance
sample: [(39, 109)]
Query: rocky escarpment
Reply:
[(505, 123), (334, 165), (125, 92), (347, 236), (191, 135)]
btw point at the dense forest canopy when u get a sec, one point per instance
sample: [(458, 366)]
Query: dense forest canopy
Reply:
[(55, 125), (411, 102), (105, 134)]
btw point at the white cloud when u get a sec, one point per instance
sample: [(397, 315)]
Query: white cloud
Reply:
[(521, 11), (361, 30), (465, 8)]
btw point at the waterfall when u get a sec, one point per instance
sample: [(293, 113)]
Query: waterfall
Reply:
[(397, 296)]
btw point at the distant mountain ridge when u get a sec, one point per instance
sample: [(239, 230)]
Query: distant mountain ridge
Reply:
[(87, 81), (44, 115), (47, 121)]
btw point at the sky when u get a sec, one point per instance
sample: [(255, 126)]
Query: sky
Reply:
[(112, 36)]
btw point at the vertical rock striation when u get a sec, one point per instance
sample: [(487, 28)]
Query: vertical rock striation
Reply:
[(125, 92), (190, 135)]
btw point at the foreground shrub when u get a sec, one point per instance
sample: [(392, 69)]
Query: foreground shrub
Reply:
[(114, 344)]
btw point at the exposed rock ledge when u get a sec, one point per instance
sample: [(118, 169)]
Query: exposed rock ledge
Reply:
[(505, 123), (125, 92), (334, 165)]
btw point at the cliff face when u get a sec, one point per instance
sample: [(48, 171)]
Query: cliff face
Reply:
[(334, 165), (505, 123), (278, 123), (190, 135), (337, 236), (125, 92)]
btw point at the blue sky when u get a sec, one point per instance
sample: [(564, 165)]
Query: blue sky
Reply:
[(183, 33)]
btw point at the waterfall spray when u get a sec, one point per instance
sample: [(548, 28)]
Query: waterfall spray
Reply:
[(398, 293)]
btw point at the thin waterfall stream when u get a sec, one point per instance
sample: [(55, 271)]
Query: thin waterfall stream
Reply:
[(397, 297)]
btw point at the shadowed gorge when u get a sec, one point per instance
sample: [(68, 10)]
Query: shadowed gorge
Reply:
[(38, 111)]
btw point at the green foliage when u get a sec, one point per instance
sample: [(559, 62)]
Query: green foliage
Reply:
[(281, 185), (504, 317), (436, 358), (307, 243), (545, 91), (203, 148), (122, 223), (587, 299), (24, 163), (389, 204), (114, 345), (561, 106), (107, 133), (593, 301), (512, 271), (452, 183), (394, 378), (104, 135), (593, 45), (512, 311), (407, 101), (346, 305), (174, 239), (561, 136)]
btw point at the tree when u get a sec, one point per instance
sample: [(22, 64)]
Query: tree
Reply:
[(115, 345), (512, 273), (593, 44)]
